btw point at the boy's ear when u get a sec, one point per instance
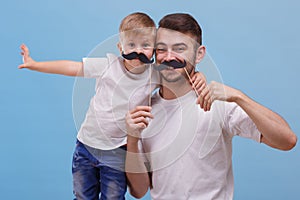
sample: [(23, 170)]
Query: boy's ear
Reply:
[(120, 47), (200, 53)]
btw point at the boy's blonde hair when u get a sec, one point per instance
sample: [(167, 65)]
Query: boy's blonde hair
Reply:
[(137, 24), (136, 20)]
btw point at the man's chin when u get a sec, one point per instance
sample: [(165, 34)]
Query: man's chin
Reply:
[(172, 78)]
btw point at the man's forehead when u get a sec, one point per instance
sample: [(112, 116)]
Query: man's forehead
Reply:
[(171, 37)]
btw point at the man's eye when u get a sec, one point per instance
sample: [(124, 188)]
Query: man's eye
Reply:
[(179, 49), (161, 50)]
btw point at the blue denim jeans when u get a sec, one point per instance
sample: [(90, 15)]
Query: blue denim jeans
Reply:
[(97, 172)]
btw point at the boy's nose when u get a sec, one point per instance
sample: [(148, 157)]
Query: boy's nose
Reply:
[(139, 50)]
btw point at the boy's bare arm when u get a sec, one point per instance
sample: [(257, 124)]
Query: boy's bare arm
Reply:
[(136, 171), (63, 67)]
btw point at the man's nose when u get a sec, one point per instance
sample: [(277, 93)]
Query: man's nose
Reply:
[(169, 56)]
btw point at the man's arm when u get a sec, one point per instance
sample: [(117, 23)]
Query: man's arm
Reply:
[(63, 67), (136, 171), (274, 129)]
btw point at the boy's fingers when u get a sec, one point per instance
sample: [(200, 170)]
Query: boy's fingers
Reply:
[(21, 66), (25, 50), (141, 108), (142, 120), (141, 114)]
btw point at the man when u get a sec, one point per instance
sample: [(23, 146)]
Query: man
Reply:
[(179, 150)]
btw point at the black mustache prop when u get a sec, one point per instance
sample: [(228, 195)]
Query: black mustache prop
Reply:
[(173, 63), (142, 57)]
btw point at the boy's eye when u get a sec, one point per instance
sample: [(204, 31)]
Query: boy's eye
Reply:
[(146, 45), (131, 45)]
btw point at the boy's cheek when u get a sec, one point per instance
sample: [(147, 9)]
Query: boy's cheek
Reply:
[(150, 53)]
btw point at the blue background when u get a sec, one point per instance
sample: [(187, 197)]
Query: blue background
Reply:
[(255, 45)]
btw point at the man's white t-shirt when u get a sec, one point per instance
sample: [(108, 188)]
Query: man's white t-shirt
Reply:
[(190, 151), (117, 91)]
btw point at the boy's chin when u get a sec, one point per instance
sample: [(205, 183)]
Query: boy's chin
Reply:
[(136, 63)]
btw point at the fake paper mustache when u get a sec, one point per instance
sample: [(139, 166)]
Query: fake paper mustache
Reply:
[(142, 57), (173, 63)]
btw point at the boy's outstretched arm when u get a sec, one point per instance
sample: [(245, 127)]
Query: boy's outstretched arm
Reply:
[(63, 67)]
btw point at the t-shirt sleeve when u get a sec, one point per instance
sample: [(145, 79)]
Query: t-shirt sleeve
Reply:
[(94, 67), (240, 124)]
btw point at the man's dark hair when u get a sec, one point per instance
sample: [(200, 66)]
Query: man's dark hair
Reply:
[(183, 23)]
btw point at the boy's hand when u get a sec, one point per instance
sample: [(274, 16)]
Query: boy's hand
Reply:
[(28, 62), (136, 122)]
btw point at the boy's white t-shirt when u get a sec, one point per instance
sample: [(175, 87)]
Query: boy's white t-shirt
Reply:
[(117, 92), (190, 151)]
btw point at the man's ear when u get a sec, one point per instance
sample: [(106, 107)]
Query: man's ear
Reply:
[(200, 53), (120, 47)]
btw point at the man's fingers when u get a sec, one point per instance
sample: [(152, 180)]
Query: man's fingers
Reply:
[(193, 79), (204, 99), (199, 88), (207, 101), (199, 84)]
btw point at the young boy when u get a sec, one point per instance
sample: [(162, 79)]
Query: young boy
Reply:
[(122, 84)]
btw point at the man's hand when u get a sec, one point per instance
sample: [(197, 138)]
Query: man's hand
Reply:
[(136, 122), (216, 91), (198, 82)]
